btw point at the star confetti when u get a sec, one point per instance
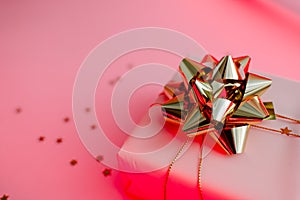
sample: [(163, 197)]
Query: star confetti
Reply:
[(66, 119), (73, 162), (106, 172), (4, 197), (41, 138), (18, 110), (112, 82), (93, 126), (99, 158), (130, 66), (87, 109), (286, 131), (59, 140)]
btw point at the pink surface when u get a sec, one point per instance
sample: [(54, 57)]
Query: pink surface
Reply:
[(43, 43)]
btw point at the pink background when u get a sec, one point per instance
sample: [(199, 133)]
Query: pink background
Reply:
[(42, 45)]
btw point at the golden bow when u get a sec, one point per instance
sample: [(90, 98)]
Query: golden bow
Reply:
[(220, 98)]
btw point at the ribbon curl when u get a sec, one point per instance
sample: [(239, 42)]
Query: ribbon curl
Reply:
[(219, 98)]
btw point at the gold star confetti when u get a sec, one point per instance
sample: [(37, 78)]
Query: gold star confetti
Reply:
[(99, 158), (4, 197), (106, 172), (73, 162), (286, 131)]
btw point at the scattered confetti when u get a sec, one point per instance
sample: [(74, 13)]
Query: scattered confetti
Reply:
[(41, 138), (4, 197), (73, 162), (286, 131), (99, 158), (18, 110), (93, 126), (112, 82), (66, 119), (106, 172), (87, 109), (59, 140), (130, 66)]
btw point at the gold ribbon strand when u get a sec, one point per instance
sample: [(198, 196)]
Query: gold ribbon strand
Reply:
[(188, 139), (284, 131), (199, 172), (288, 118), (173, 162)]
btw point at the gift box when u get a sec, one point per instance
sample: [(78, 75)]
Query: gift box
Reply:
[(268, 169)]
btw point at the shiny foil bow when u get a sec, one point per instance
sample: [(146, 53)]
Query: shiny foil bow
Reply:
[(220, 98)]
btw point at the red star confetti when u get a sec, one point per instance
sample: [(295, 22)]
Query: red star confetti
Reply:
[(93, 126), (41, 138), (18, 110), (66, 119), (4, 197), (59, 140), (130, 66), (73, 162), (112, 82), (106, 172)]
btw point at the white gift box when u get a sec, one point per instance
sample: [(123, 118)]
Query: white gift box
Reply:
[(268, 169)]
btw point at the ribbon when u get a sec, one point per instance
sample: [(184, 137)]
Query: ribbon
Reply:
[(218, 98)]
